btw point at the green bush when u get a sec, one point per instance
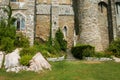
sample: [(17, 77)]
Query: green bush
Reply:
[(7, 44), (114, 47), (102, 54), (83, 51), (60, 38), (28, 51), (25, 60), (27, 54), (21, 41)]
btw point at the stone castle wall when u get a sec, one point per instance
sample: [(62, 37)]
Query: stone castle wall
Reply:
[(27, 10), (95, 22), (58, 15)]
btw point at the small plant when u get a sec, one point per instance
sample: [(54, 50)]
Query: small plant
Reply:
[(27, 54), (25, 60), (28, 51)]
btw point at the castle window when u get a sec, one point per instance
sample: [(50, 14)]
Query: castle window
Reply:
[(20, 22), (65, 32), (102, 7), (118, 7)]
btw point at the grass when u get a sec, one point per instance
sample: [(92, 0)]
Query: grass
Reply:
[(70, 70)]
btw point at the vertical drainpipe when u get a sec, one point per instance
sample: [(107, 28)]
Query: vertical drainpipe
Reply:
[(110, 22), (35, 20)]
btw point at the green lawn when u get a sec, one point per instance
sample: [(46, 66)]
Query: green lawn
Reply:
[(74, 70)]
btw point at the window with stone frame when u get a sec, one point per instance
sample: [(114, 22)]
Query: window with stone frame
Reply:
[(20, 22), (102, 6), (118, 7), (65, 32)]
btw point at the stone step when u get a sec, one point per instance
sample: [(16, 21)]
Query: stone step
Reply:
[(70, 56)]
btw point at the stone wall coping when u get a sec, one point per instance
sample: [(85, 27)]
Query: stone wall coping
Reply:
[(56, 59)]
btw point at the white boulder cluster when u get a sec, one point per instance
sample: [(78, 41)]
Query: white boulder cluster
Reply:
[(1, 58), (37, 63)]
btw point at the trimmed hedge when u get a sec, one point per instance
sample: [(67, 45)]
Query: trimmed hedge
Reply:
[(83, 51)]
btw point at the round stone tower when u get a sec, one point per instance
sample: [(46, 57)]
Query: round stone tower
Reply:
[(93, 23)]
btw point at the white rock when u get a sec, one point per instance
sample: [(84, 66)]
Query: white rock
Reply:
[(38, 63), (116, 59), (12, 59), (1, 58)]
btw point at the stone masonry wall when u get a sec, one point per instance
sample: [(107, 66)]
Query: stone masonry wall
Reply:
[(30, 20), (59, 15), (26, 9), (93, 30), (43, 27), (117, 11), (67, 21)]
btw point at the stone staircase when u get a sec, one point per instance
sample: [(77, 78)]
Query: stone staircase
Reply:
[(70, 57)]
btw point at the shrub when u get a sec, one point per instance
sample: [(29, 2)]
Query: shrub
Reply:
[(60, 38), (102, 54), (7, 44), (83, 51), (25, 60), (21, 41), (28, 51), (114, 47), (27, 54)]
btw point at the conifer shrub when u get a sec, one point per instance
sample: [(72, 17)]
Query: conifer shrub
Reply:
[(7, 44), (60, 38), (83, 51)]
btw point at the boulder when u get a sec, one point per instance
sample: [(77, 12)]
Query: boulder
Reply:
[(1, 58), (12, 60), (116, 59), (39, 63)]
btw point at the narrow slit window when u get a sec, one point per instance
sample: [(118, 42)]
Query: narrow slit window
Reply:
[(118, 7)]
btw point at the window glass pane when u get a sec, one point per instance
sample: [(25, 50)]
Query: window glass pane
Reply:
[(22, 26), (18, 24)]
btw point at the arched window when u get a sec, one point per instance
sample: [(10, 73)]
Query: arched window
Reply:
[(102, 7), (20, 22), (118, 7), (65, 31)]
